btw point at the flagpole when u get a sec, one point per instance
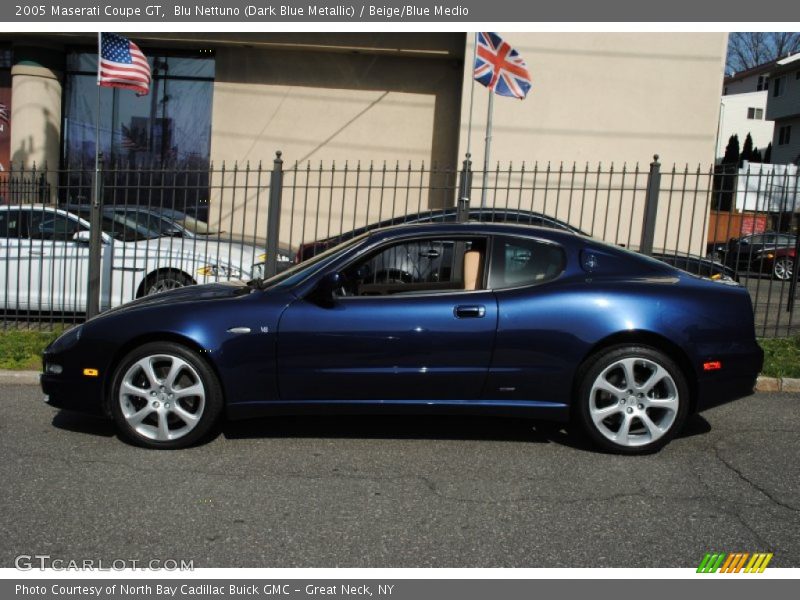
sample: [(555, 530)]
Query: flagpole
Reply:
[(472, 92), (95, 235), (487, 148)]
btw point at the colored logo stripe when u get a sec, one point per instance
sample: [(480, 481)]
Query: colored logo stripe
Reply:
[(734, 562)]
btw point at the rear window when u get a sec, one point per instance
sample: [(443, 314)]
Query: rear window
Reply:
[(518, 262)]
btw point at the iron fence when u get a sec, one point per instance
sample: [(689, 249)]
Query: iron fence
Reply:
[(164, 228)]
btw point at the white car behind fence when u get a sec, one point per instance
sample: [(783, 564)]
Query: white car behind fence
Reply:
[(44, 260)]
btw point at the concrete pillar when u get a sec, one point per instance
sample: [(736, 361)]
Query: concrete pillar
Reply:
[(36, 77)]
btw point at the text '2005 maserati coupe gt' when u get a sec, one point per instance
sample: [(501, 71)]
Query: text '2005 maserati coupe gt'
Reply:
[(471, 317)]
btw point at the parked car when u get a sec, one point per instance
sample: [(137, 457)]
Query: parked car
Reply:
[(504, 319), (779, 262), (696, 265), (174, 223), (748, 252), (44, 259)]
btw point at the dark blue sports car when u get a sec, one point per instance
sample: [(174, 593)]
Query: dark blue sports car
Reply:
[(471, 317)]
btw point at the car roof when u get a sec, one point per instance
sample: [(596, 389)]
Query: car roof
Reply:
[(476, 228)]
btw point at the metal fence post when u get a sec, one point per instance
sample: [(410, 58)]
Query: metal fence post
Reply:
[(95, 242), (651, 207), (464, 190), (274, 216)]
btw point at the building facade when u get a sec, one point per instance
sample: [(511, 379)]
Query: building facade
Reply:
[(783, 106), (366, 99)]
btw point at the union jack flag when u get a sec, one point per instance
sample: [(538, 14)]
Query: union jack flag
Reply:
[(122, 65), (500, 68)]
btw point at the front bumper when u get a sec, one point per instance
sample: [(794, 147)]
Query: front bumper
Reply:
[(70, 389)]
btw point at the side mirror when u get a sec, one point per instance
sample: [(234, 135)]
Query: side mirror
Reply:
[(82, 237), (327, 287)]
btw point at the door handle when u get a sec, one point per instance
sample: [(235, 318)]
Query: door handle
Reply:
[(469, 312)]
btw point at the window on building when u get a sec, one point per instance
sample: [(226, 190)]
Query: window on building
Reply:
[(169, 129), (777, 87), (755, 113), (784, 135), (763, 83)]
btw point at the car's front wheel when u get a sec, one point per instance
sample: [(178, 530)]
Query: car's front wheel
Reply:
[(632, 399), (165, 396), (783, 268)]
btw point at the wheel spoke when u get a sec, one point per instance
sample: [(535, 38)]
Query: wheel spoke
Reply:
[(184, 415), (628, 365), (140, 415), (658, 374), (128, 388), (163, 427), (669, 403), (605, 385), (146, 365), (174, 371), (599, 414), (623, 433), (653, 429), (193, 390)]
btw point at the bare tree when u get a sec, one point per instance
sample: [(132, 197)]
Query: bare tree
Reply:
[(750, 49)]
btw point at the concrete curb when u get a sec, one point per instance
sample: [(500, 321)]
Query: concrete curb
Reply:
[(19, 377), (764, 384)]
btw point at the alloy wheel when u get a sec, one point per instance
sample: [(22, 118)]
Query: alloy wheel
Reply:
[(783, 269), (162, 397), (634, 402)]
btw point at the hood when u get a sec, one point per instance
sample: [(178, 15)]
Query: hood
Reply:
[(202, 250), (190, 293)]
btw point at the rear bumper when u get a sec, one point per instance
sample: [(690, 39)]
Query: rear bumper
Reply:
[(735, 380)]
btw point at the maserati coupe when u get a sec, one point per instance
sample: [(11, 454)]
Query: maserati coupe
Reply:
[(485, 318)]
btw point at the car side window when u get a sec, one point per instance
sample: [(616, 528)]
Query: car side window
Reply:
[(46, 225), (10, 224), (519, 262), (418, 266)]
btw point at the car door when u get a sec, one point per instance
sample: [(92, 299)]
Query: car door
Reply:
[(403, 328), (528, 362), (62, 269)]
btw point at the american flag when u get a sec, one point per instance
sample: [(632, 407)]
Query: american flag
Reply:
[(500, 68), (122, 64), (3, 113)]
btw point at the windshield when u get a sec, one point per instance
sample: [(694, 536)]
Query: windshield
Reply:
[(299, 272)]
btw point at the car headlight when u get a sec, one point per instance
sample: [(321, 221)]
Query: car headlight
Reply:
[(282, 258), (66, 340), (218, 271)]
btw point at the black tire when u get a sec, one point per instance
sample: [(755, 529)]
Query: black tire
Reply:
[(209, 408), (632, 408), (162, 281)]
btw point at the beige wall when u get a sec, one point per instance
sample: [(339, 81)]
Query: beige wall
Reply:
[(330, 106), (606, 98)]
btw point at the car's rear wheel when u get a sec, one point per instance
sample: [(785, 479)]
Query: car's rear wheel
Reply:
[(632, 399), (783, 268), (165, 396)]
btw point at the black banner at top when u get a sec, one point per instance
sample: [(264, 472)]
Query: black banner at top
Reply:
[(397, 11)]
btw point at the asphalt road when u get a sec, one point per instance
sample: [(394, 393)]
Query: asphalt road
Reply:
[(400, 492)]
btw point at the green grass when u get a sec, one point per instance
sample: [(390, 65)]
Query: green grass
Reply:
[(22, 350), (781, 357)]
